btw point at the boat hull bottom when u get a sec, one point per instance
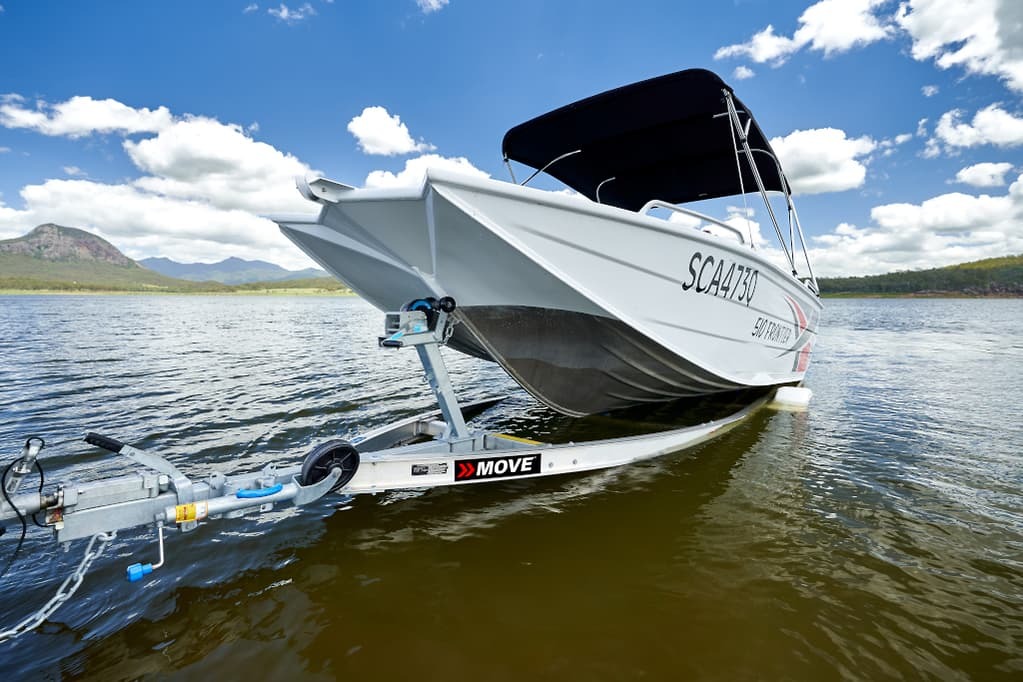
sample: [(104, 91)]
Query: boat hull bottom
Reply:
[(583, 364)]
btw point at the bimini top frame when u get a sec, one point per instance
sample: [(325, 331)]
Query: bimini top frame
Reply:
[(675, 139)]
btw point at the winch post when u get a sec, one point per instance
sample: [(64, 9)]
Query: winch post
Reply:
[(440, 382), (426, 324)]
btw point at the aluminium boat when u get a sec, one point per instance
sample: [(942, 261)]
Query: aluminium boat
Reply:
[(595, 300)]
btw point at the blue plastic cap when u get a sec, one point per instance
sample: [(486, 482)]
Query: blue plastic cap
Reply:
[(138, 571)]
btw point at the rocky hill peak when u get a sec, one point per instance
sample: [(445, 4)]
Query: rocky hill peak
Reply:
[(59, 243)]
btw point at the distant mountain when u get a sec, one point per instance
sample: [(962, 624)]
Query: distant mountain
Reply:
[(228, 271), (65, 244), (989, 277), (57, 257)]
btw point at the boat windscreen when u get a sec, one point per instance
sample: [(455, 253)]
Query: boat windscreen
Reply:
[(665, 138)]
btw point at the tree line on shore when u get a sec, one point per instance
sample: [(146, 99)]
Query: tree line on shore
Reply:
[(990, 277)]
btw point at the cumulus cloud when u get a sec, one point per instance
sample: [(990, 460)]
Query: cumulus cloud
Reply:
[(415, 170), (201, 185), (828, 26), (145, 224), (984, 174), (742, 73), (250, 8), (73, 171), (823, 159), (981, 36), (292, 16), (82, 116), (428, 6), (378, 132), (202, 159), (950, 228), (929, 90), (992, 125)]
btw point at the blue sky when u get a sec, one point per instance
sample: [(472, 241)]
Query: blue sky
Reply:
[(170, 128)]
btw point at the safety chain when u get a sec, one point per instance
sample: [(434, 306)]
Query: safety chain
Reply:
[(450, 329), (66, 589)]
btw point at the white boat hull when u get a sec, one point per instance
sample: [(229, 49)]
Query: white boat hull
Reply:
[(589, 307)]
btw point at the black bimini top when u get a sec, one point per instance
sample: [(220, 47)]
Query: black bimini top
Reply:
[(663, 138)]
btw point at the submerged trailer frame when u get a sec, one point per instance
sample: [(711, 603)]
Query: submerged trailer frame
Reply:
[(425, 451)]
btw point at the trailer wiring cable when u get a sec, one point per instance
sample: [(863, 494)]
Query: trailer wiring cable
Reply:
[(21, 517)]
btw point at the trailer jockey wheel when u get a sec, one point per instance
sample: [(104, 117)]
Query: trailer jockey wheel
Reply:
[(333, 454)]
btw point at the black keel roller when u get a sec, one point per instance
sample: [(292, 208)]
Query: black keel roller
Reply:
[(323, 458)]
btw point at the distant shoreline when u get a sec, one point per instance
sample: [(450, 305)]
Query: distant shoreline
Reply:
[(945, 294)]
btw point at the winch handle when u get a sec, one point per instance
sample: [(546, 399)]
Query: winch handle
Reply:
[(105, 442)]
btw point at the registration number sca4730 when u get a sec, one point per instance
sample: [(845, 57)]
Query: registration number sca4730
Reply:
[(722, 278)]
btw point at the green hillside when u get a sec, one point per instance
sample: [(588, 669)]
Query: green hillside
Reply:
[(58, 258), (989, 277), (25, 272)]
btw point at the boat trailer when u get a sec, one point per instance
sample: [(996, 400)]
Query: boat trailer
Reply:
[(434, 449)]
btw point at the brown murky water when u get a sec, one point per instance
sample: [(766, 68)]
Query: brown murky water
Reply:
[(879, 535)]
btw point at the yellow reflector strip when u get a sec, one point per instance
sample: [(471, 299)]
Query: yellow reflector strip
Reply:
[(517, 439)]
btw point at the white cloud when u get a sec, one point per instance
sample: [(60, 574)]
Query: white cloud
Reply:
[(742, 73), (202, 159), (378, 132), (828, 26), (202, 185), (81, 116), (946, 229), (144, 224), (823, 159), (981, 36), (415, 171), (929, 90), (292, 16), (251, 7), (992, 125), (73, 171), (428, 6), (764, 46), (4, 150), (984, 174)]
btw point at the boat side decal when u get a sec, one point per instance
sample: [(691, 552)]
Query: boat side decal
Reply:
[(804, 337), (721, 278)]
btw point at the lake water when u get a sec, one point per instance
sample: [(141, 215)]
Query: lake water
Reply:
[(878, 535)]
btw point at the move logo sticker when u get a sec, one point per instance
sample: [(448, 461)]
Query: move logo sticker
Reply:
[(497, 467)]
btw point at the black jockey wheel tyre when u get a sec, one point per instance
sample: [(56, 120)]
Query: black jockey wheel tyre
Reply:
[(323, 458)]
